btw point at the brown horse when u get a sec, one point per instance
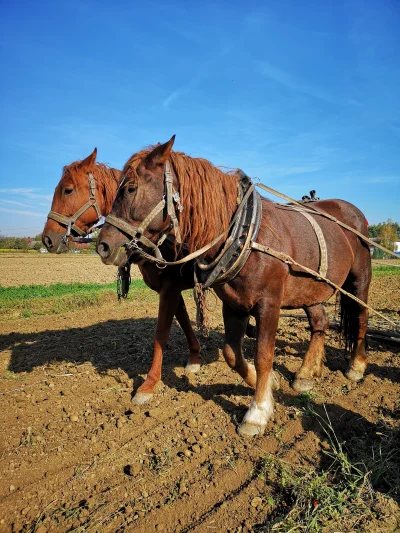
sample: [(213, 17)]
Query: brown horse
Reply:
[(263, 286), (70, 197)]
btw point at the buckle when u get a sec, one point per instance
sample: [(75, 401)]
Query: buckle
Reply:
[(133, 244), (177, 199)]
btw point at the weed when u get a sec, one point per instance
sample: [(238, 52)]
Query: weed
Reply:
[(160, 463), (171, 496), (26, 313), (305, 401), (310, 501)]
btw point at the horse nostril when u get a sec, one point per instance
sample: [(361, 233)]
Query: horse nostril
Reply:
[(47, 241), (103, 249)]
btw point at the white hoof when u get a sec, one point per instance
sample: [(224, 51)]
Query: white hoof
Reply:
[(256, 418), (141, 397), (192, 369), (247, 429), (354, 375), (302, 385)]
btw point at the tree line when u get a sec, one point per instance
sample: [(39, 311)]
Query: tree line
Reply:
[(386, 232), (35, 243)]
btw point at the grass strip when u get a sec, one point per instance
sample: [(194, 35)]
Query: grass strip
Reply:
[(34, 300), (384, 271)]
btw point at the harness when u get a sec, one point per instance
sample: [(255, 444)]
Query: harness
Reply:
[(166, 204), (238, 244), (323, 263), (242, 230), (69, 222)]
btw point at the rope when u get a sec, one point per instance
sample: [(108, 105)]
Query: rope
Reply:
[(327, 215), (285, 258)]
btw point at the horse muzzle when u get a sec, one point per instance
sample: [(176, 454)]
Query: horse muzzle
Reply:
[(54, 242), (111, 253)]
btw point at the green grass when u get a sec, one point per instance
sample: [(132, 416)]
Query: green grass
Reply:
[(14, 250), (27, 301), (383, 271), (342, 496)]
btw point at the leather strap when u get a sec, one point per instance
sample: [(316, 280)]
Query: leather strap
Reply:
[(323, 264)]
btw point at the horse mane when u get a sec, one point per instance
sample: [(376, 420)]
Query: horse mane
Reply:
[(107, 179), (208, 194)]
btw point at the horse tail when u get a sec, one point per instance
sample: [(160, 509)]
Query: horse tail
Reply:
[(349, 321), (349, 326)]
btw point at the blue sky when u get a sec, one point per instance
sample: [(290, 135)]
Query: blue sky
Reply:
[(302, 94)]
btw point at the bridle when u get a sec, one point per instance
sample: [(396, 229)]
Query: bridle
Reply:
[(69, 222), (167, 202)]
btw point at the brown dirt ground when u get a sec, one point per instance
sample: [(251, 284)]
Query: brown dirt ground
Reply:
[(44, 269), (76, 455)]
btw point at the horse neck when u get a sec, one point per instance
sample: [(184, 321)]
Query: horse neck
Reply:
[(209, 198)]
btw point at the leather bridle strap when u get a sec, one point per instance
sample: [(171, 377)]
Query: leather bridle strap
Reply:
[(171, 198), (69, 222), (137, 232)]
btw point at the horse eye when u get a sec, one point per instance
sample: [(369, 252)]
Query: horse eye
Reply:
[(131, 190), (68, 191)]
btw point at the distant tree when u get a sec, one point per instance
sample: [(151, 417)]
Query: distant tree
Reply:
[(388, 235), (375, 230), (92, 245)]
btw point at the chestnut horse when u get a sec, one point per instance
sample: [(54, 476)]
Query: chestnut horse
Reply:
[(264, 285), (71, 195)]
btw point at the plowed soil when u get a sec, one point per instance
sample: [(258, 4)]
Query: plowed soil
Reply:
[(76, 455), (44, 269)]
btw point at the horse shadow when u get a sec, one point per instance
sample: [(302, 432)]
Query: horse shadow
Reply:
[(128, 345)]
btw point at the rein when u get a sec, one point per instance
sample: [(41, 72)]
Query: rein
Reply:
[(69, 222), (326, 215)]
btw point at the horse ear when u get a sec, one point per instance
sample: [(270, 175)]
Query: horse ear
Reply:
[(90, 160), (160, 153)]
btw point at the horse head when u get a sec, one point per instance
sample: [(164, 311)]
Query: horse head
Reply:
[(79, 201), (140, 211)]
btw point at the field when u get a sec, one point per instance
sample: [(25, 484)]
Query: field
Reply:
[(77, 456)]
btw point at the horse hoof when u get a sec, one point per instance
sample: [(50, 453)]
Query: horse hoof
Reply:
[(302, 385), (275, 382), (246, 429), (141, 397), (354, 375), (192, 368)]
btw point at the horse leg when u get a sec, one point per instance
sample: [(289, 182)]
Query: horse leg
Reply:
[(151, 276), (235, 327), (353, 316), (354, 319), (262, 405), (315, 355), (193, 364), (168, 304), (358, 359)]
